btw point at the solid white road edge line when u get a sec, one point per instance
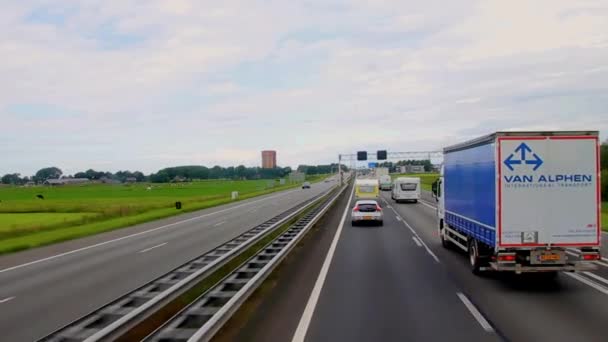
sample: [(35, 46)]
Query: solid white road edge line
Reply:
[(6, 299), (300, 333), (416, 241), (586, 281), (428, 250), (138, 234), (153, 247), (596, 277), (478, 316)]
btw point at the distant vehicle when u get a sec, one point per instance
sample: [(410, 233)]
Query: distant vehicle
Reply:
[(306, 185), (386, 183), (406, 189), (523, 201), (366, 189), (381, 171), (367, 211)]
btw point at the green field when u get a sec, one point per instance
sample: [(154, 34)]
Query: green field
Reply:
[(69, 212), (426, 179), (13, 222)]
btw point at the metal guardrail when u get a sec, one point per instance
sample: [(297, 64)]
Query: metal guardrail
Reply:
[(117, 317), (203, 318)]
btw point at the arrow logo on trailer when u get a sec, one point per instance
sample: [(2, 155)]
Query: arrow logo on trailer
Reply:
[(522, 149)]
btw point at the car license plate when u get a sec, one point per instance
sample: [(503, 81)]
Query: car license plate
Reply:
[(367, 217)]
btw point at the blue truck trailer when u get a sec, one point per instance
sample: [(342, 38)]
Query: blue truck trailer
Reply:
[(523, 201)]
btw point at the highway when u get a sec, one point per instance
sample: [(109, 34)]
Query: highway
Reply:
[(45, 288), (397, 283)]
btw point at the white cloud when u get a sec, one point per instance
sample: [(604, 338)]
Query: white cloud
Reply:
[(468, 100), (158, 83)]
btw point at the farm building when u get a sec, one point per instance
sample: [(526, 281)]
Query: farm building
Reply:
[(412, 169)]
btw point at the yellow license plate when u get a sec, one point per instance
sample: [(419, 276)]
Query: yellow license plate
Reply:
[(549, 257), (367, 217)]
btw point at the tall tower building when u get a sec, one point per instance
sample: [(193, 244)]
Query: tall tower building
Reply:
[(269, 159)]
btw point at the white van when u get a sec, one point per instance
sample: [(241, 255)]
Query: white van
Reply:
[(406, 189)]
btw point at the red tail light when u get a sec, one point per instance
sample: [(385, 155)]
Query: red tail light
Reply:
[(506, 257), (356, 208), (590, 257), (378, 208)]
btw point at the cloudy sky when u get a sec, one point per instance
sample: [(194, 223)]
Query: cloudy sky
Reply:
[(146, 84)]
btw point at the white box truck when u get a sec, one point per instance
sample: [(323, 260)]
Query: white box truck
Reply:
[(381, 171), (386, 182), (517, 201)]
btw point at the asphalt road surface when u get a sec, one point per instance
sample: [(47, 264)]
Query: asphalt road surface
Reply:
[(397, 283), (43, 289), (521, 308)]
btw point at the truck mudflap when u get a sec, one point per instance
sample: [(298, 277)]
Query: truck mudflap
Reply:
[(518, 268)]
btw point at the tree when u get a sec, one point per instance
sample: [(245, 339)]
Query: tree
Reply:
[(47, 173), (139, 176), (229, 172), (12, 178), (80, 175), (240, 171), (216, 172), (161, 176), (123, 175)]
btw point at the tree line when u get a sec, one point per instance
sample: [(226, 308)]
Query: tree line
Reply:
[(170, 174), (320, 169)]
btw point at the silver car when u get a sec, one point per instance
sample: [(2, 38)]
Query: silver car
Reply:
[(367, 211)]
